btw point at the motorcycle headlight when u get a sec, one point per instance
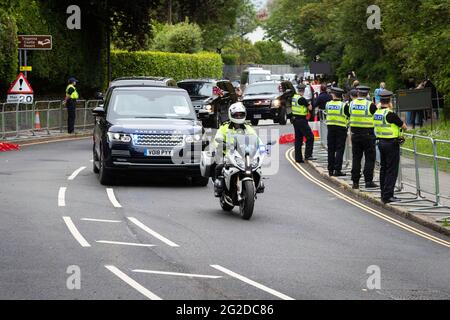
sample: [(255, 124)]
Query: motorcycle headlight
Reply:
[(192, 138), (119, 137), (255, 162), (240, 162)]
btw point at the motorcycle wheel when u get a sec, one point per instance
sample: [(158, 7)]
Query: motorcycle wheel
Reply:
[(225, 206), (248, 202)]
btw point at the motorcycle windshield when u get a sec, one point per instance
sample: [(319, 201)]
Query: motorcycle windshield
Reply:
[(246, 144)]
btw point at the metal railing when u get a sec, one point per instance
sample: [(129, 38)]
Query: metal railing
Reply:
[(424, 176), (42, 116)]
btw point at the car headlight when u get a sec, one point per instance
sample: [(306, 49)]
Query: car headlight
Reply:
[(119, 137), (192, 138), (208, 107), (276, 103)]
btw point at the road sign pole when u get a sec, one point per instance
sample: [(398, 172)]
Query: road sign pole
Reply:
[(25, 62), (20, 59)]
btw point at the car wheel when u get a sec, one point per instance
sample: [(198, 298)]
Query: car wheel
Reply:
[(254, 122), (104, 175), (283, 117), (94, 161), (200, 181)]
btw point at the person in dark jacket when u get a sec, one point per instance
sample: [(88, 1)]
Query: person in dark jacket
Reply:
[(321, 101)]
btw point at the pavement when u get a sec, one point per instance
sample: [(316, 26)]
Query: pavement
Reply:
[(151, 237)]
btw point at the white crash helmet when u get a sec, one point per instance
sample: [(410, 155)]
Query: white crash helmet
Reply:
[(237, 113)]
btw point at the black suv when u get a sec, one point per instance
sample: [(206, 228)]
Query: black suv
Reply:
[(211, 99), (269, 100), (146, 126), (151, 81)]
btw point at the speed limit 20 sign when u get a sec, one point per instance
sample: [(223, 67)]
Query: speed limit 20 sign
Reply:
[(20, 91)]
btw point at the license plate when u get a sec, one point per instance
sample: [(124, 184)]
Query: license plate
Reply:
[(257, 116), (158, 153)]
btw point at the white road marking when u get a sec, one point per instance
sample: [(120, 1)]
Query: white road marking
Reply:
[(252, 283), (126, 243), (153, 233), (189, 275), (62, 197), (112, 198), (76, 234), (133, 283), (101, 220), (75, 173)]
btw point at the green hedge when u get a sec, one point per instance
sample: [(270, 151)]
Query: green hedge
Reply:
[(174, 65)]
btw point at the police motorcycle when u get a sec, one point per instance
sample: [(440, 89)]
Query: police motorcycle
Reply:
[(241, 176)]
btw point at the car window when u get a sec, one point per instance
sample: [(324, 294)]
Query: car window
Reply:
[(267, 88), (258, 77), (149, 104), (198, 89)]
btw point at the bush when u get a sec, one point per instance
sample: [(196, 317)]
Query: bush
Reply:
[(8, 50), (182, 37), (174, 65), (229, 59)]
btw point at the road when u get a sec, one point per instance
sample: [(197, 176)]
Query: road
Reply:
[(153, 238)]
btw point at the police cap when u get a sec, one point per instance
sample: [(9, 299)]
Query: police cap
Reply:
[(337, 90), (72, 79), (363, 89), (385, 94)]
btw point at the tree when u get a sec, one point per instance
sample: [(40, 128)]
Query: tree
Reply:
[(271, 52), (182, 37), (244, 51)]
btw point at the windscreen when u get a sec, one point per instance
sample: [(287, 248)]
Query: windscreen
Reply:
[(150, 104), (252, 78), (197, 89), (245, 143), (266, 88)]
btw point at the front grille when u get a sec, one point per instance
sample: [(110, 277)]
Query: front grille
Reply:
[(257, 103), (158, 140)]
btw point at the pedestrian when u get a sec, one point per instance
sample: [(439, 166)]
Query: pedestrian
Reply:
[(71, 104), (321, 101), (309, 91), (378, 92), (337, 124), (388, 126), (351, 77), (361, 111), (300, 108)]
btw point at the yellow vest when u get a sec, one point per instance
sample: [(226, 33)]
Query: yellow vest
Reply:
[(74, 94), (298, 110), (360, 116), (335, 114), (383, 129)]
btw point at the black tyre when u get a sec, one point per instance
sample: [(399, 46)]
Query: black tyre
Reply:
[(254, 122), (283, 117), (200, 181), (104, 175), (225, 206), (248, 202), (95, 160)]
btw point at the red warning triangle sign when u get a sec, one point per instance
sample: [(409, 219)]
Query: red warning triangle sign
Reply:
[(20, 86)]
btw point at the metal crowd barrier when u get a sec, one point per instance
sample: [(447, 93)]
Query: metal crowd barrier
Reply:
[(424, 176), (42, 116)]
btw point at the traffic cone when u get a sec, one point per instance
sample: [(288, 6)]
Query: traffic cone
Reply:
[(37, 121), (315, 127)]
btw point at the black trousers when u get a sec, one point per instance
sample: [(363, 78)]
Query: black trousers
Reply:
[(336, 138), (363, 145), (302, 129), (390, 160), (71, 117)]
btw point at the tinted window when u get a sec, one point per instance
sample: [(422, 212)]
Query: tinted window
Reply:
[(198, 89), (267, 88), (139, 103)]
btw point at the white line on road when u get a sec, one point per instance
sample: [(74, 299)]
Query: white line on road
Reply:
[(126, 243), (76, 234), (112, 198), (189, 275), (153, 233), (133, 283), (252, 283), (101, 220), (62, 197), (75, 173)]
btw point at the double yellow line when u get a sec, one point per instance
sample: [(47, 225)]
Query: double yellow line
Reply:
[(290, 157)]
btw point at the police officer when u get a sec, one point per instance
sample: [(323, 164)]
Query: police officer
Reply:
[(388, 127), (337, 123), (71, 103), (300, 109), (361, 111)]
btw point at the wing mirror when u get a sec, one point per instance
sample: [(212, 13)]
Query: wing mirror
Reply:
[(99, 111)]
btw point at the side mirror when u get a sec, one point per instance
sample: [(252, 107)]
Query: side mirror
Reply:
[(99, 111), (99, 96)]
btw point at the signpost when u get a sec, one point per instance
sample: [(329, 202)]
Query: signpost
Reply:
[(20, 91), (32, 42)]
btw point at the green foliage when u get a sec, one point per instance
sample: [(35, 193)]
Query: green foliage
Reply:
[(183, 37), (174, 65), (229, 59), (294, 60), (8, 49), (271, 52), (244, 51)]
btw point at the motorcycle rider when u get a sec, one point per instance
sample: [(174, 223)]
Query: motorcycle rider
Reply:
[(237, 125)]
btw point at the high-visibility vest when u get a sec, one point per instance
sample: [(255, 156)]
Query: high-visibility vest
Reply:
[(360, 116), (297, 109), (383, 129), (226, 134), (335, 114), (74, 94)]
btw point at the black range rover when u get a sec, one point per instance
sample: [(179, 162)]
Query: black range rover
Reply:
[(269, 100), (211, 99), (147, 127)]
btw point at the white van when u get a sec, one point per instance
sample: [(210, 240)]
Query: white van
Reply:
[(252, 75)]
